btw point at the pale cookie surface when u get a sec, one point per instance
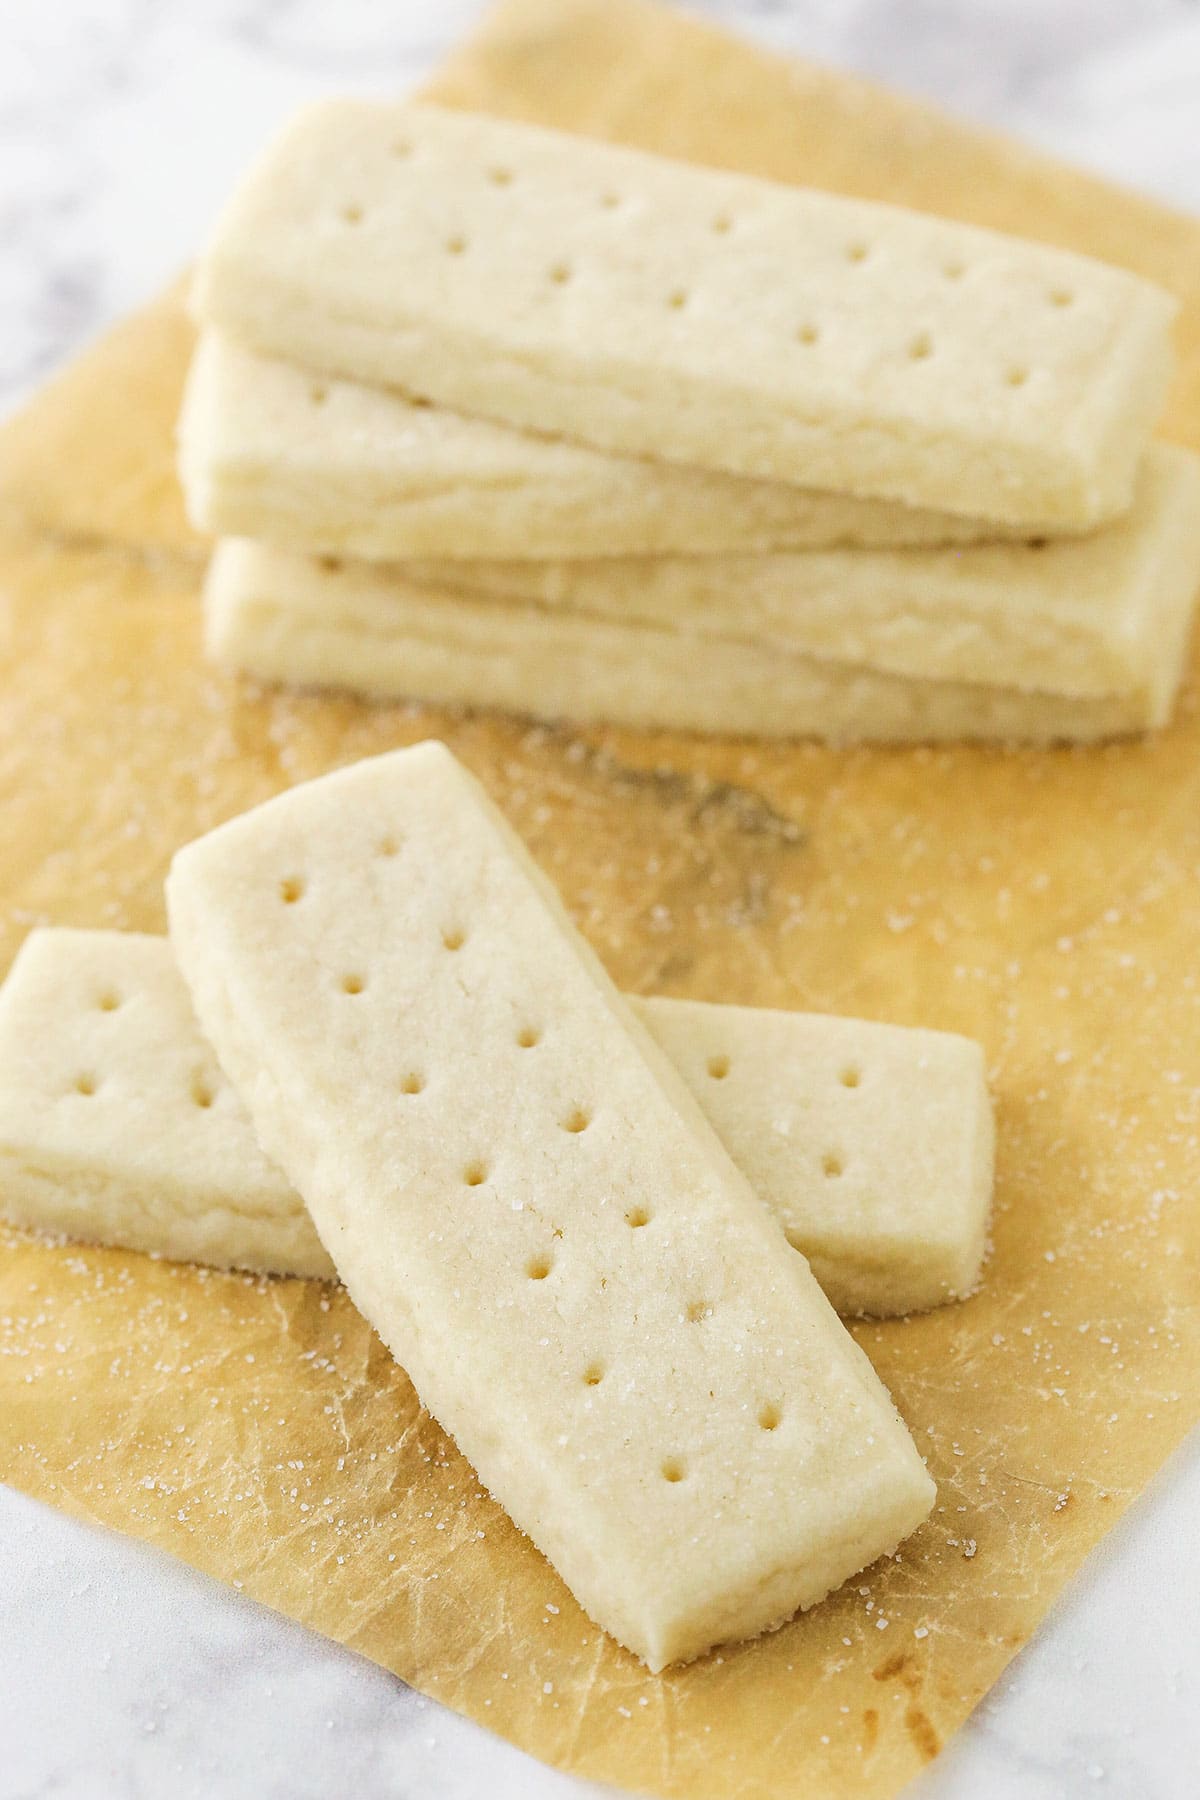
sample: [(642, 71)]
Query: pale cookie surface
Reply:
[(654, 308), (1103, 614), (297, 621), (873, 1144), (522, 1196), (901, 1229), (269, 451), (116, 1123)]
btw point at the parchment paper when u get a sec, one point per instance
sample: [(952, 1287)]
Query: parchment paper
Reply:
[(1048, 903)]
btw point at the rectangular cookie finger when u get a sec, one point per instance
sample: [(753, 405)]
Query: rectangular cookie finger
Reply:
[(362, 627), (872, 1144), (523, 1197), (269, 450), (653, 308)]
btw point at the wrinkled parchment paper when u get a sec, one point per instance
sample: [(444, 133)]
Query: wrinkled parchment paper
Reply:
[(1048, 903)]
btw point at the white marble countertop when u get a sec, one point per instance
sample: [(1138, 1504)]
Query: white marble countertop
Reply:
[(123, 123)]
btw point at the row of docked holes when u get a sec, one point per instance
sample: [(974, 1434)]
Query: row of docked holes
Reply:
[(674, 1468), (833, 1163), (88, 1083), (539, 1266), (850, 1075), (501, 176), (857, 251), (722, 224), (920, 347), (202, 1093)]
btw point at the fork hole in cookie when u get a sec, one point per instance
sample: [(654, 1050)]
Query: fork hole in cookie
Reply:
[(388, 845), (577, 1120), (921, 347), (454, 937), (528, 1037), (857, 252), (86, 1083), (677, 299), (851, 1076), (1061, 297), (769, 1416), (318, 394), (560, 274), (673, 1468), (352, 214), (1017, 378), (109, 1001), (412, 1083), (593, 1375), (722, 224), (698, 1311), (291, 889), (456, 245), (718, 1067), (202, 1092), (807, 334), (500, 177), (538, 1267), (475, 1173), (833, 1164), (636, 1217), (353, 984)]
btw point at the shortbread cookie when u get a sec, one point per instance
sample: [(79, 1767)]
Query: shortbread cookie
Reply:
[(307, 623), (116, 1123), (872, 1144), (521, 1194), (654, 308), (269, 451), (1102, 614), (896, 1227)]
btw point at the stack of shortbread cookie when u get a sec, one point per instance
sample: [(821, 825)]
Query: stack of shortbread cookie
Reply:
[(496, 415)]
